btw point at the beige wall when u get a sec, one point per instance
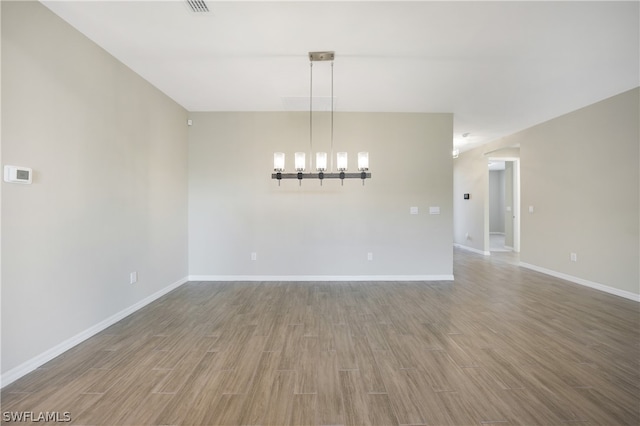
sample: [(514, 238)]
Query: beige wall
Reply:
[(109, 196), (580, 173), (471, 216), (309, 231)]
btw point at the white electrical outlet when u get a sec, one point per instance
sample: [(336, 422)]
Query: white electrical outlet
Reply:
[(133, 278), (254, 255), (413, 210), (574, 257), (369, 256)]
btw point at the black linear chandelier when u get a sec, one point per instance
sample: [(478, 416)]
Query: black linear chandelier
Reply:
[(321, 157)]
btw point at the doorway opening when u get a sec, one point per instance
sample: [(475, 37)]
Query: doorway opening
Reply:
[(504, 205)]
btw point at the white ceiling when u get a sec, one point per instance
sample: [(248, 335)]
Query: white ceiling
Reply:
[(499, 67)]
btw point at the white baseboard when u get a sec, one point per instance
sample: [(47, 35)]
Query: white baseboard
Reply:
[(35, 362), (320, 277), (471, 249), (586, 283)]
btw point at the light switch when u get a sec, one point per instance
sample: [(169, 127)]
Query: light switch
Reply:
[(413, 210), (508, 208), (530, 209), (434, 210)]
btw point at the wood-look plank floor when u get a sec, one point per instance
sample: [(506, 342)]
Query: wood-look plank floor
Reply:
[(500, 345)]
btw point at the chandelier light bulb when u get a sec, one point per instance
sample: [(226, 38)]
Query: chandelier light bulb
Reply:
[(363, 161), (321, 161), (300, 161), (342, 161), (278, 161)]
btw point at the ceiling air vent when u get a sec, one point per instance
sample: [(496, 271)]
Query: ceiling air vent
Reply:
[(198, 6)]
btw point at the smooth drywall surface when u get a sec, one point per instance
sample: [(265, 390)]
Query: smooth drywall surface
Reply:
[(580, 175), (109, 194), (308, 230), (579, 172), (471, 218)]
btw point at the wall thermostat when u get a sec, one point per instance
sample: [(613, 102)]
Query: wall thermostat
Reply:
[(466, 196), (16, 174)]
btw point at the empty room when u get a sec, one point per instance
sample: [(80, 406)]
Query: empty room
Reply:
[(320, 212)]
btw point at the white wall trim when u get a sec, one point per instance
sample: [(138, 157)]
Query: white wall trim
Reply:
[(607, 289), (320, 277), (35, 362), (471, 249)]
